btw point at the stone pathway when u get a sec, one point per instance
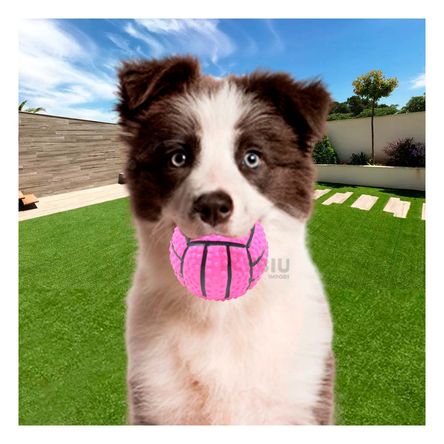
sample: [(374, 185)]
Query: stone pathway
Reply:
[(75, 199), (399, 208)]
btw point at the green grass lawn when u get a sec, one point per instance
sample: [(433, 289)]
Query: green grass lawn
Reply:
[(75, 269)]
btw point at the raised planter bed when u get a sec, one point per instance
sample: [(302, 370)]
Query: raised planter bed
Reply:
[(404, 178)]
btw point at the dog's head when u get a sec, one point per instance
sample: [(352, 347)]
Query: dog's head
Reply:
[(216, 155)]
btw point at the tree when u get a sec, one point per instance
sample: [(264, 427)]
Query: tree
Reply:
[(372, 87), (356, 104), (415, 104), (339, 108), (29, 110)]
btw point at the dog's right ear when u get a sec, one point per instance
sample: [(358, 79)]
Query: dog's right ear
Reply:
[(303, 105), (143, 82)]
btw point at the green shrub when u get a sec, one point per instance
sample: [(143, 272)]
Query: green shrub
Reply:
[(324, 152), (415, 104), (382, 111), (340, 116), (359, 159), (339, 108), (357, 104), (406, 152)]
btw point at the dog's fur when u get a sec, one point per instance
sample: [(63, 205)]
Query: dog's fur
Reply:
[(265, 358)]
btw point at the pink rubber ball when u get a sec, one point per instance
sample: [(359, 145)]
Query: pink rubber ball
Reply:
[(219, 268)]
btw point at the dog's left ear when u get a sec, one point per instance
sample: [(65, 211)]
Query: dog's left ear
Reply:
[(143, 82), (303, 105)]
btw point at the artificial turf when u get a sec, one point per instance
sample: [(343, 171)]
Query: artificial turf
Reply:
[(75, 268)]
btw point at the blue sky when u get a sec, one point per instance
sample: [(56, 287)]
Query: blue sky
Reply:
[(68, 66)]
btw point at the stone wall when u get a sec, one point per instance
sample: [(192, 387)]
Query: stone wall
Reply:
[(58, 154)]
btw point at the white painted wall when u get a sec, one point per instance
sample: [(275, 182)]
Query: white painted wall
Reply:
[(354, 135), (404, 178)]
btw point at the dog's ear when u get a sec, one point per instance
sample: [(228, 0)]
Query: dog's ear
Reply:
[(143, 82), (303, 105)]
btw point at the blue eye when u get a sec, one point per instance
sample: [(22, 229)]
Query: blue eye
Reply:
[(178, 159), (252, 159)]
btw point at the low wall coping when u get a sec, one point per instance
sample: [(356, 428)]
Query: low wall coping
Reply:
[(368, 166)]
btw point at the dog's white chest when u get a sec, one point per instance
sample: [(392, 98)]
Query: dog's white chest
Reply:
[(260, 362)]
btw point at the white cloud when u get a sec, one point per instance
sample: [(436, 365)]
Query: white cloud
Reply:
[(166, 26), (45, 37), (418, 82), (74, 101), (121, 43), (57, 72), (88, 114), (278, 44), (62, 70), (156, 47), (196, 36)]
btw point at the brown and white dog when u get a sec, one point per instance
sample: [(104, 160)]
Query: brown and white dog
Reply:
[(215, 156)]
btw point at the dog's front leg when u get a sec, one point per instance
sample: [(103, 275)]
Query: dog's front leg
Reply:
[(324, 412), (138, 406)]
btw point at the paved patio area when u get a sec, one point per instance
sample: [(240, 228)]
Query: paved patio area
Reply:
[(91, 196), (75, 199)]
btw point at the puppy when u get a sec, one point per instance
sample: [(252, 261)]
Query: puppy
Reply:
[(241, 147)]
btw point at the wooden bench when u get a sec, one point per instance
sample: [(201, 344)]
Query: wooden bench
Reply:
[(26, 200)]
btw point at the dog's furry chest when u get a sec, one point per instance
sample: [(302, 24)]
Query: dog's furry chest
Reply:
[(256, 360)]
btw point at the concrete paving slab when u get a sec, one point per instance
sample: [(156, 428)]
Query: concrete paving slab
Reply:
[(423, 213), (404, 209), (320, 193), (398, 207), (338, 198), (364, 202), (391, 205)]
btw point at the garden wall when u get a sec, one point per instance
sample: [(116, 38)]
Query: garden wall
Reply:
[(354, 135), (58, 154), (404, 178)]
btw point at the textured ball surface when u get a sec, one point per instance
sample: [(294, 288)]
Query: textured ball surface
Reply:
[(217, 267)]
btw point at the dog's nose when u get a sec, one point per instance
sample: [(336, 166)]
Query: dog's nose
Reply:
[(213, 208)]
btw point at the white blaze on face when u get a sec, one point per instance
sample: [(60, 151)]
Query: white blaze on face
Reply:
[(218, 114)]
